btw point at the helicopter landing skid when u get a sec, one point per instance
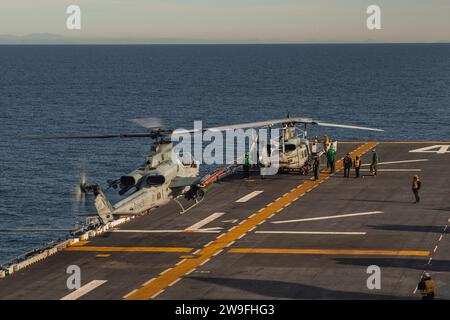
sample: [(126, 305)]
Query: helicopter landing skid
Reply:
[(184, 210)]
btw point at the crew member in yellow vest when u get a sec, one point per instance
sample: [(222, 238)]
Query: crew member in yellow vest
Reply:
[(357, 166), (326, 142), (426, 287)]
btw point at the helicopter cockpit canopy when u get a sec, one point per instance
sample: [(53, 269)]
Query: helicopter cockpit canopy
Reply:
[(290, 147)]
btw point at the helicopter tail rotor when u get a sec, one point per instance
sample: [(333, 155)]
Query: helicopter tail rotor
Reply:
[(79, 195), (83, 184)]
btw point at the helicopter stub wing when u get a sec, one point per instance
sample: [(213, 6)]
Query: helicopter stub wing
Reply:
[(125, 214), (179, 182)]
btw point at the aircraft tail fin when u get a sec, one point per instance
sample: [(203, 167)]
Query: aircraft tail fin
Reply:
[(103, 206)]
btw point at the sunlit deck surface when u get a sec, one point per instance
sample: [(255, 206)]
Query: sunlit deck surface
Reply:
[(268, 245)]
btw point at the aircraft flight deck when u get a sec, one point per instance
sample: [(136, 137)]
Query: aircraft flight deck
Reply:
[(279, 237)]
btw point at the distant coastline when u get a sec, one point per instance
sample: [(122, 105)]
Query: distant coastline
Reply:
[(57, 39)]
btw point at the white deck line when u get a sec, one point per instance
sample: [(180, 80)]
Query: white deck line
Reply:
[(329, 217), (130, 293), (84, 290), (249, 196), (396, 162), (394, 170), (157, 294), (210, 230), (314, 232), (205, 221)]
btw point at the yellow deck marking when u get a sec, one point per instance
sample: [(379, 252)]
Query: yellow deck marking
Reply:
[(103, 255), (163, 281), (333, 252), (78, 244), (130, 249)]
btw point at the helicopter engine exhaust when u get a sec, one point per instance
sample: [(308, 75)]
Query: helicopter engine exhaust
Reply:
[(131, 179), (142, 179), (165, 172), (154, 179)]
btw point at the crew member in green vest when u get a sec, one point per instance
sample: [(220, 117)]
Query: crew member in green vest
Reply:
[(331, 159), (246, 166), (374, 164)]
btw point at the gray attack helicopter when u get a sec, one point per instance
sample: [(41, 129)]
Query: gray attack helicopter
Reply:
[(165, 177)]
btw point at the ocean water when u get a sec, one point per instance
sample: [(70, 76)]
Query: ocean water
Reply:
[(404, 89)]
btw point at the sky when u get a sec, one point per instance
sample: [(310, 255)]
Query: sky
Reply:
[(235, 21)]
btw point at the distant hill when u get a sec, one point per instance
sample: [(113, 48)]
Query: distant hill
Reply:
[(50, 38)]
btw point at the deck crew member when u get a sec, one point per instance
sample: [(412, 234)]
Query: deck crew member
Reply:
[(357, 166), (416, 184), (348, 162), (426, 287), (314, 146), (331, 159), (316, 167), (246, 166), (374, 164), (326, 142)]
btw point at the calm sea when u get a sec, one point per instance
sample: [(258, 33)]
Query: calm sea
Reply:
[(404, 89)]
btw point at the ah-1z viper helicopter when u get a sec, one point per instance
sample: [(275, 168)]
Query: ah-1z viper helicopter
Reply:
[(164, 176)]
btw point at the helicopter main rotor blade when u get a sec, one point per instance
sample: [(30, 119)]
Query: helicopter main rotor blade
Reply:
[(274, 122), (325, 124), (260, 124), (162, 132), (93, 136), (38, 230)]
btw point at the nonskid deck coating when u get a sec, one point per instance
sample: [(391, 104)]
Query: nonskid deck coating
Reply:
[(252, 257)]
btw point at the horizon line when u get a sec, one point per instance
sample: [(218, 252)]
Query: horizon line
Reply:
[(221, 43)]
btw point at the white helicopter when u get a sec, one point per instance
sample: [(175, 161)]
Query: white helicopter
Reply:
[(165, 177), (296, 152)]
